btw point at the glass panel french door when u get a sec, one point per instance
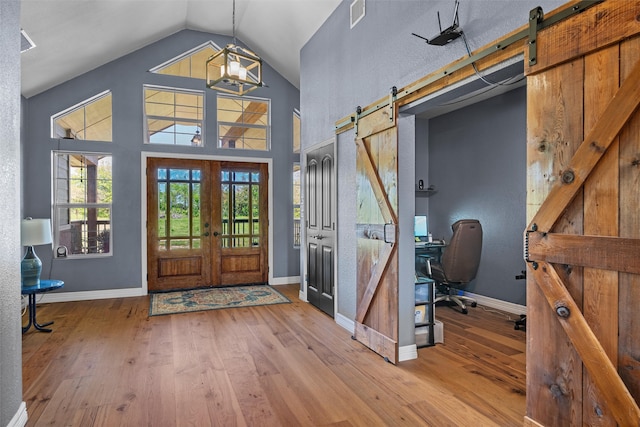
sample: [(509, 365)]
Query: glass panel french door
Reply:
[(206, 223), (179, 246), (244, 210)]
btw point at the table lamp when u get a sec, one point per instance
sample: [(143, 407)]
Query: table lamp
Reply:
[(34, 232)]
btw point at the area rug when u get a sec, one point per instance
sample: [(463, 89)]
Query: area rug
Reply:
[(213, 299)]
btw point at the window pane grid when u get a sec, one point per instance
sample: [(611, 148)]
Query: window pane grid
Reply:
[(174, 117), (240, 209), (82, 202), (179, 193), (243, 123)]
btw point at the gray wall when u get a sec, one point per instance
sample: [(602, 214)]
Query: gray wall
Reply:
[(477, 161), (10, 250), (125, 78), (342, 68)]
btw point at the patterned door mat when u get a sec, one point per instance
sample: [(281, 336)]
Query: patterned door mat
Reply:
[(213, 299)]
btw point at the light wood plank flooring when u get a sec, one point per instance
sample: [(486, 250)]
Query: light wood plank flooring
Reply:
[(108, 364)]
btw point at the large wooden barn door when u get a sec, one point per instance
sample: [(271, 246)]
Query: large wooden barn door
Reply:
[(583, 208), (377, 202)]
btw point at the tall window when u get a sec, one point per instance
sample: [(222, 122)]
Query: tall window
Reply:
[(89, 120), (82, 201), (243, 123), (240, 208), (173, 116), (296, 131), (296, 205)]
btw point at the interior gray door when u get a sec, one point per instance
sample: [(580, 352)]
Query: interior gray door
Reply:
[(320, 229)]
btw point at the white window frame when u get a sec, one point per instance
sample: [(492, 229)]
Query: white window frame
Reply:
[(267, 127), (55, 130), (62, 251), (175, 90)]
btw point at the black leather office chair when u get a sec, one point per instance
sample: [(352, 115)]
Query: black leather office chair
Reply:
[(459, 263)]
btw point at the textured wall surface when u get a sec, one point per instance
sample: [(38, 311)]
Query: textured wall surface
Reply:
[(125, 77), (342, 68), (477, 161), (10, 334)]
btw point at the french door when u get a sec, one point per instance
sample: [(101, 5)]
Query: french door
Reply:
[(206, 223)]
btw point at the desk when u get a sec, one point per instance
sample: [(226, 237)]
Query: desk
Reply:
[(31, 291)]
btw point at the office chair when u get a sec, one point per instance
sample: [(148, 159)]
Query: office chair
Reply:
[(459, 263)]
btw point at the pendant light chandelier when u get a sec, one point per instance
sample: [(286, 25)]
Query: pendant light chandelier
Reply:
[(234, 69)]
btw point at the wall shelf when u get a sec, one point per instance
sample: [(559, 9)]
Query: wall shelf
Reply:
[(425, 192)]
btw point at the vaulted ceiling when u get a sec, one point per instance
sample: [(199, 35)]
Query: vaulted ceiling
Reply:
[(76, 36)]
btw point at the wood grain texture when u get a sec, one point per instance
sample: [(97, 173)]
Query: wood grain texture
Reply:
[(597, 141), (603, 373), (603, 25), (377, 203), (108, 364), (609, 253), (629, 284), (554, 131)]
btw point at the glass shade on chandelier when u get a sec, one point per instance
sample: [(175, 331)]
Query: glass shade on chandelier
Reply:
[(234, 70), (33, 232)]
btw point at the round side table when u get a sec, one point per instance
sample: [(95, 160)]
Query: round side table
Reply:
[(31, 291)]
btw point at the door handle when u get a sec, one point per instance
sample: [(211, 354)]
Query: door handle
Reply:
[(215, 233), (319, 237), (206, 233)]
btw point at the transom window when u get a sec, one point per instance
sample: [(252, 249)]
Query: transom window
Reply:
[(173, 116), (189, 64), (82, 203), (243, 123), (89, 120)]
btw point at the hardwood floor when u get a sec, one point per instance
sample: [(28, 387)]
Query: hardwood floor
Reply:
[(107, 364)]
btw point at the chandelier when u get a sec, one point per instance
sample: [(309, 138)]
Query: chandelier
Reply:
[(234, 69)]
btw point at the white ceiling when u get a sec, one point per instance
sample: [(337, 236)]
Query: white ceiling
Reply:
[(76, 36)]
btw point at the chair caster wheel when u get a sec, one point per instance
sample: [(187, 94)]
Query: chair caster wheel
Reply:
[(474, 304), (465, 311), (516, 327)]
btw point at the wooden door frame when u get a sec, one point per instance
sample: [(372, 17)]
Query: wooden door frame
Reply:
[(144, 155), (303, 221)]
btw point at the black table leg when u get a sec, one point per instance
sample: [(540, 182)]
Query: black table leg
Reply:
[(32, 317)]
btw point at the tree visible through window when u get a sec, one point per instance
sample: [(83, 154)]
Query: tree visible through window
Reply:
[(82, 202)]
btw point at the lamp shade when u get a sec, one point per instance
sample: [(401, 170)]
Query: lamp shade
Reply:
[(36, 231)]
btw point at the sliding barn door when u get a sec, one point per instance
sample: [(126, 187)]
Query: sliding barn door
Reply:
[(583, 238), (377, 203)]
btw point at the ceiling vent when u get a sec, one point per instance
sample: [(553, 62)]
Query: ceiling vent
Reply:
[(357, 12), (25, 42)]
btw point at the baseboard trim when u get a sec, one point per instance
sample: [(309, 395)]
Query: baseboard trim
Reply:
[(346, 323), (89, 295), (302, 295), (291, 280), (20, 418), (407, 352), (509, 307)]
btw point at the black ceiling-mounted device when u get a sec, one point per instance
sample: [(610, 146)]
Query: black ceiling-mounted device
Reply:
[(448, 34)]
